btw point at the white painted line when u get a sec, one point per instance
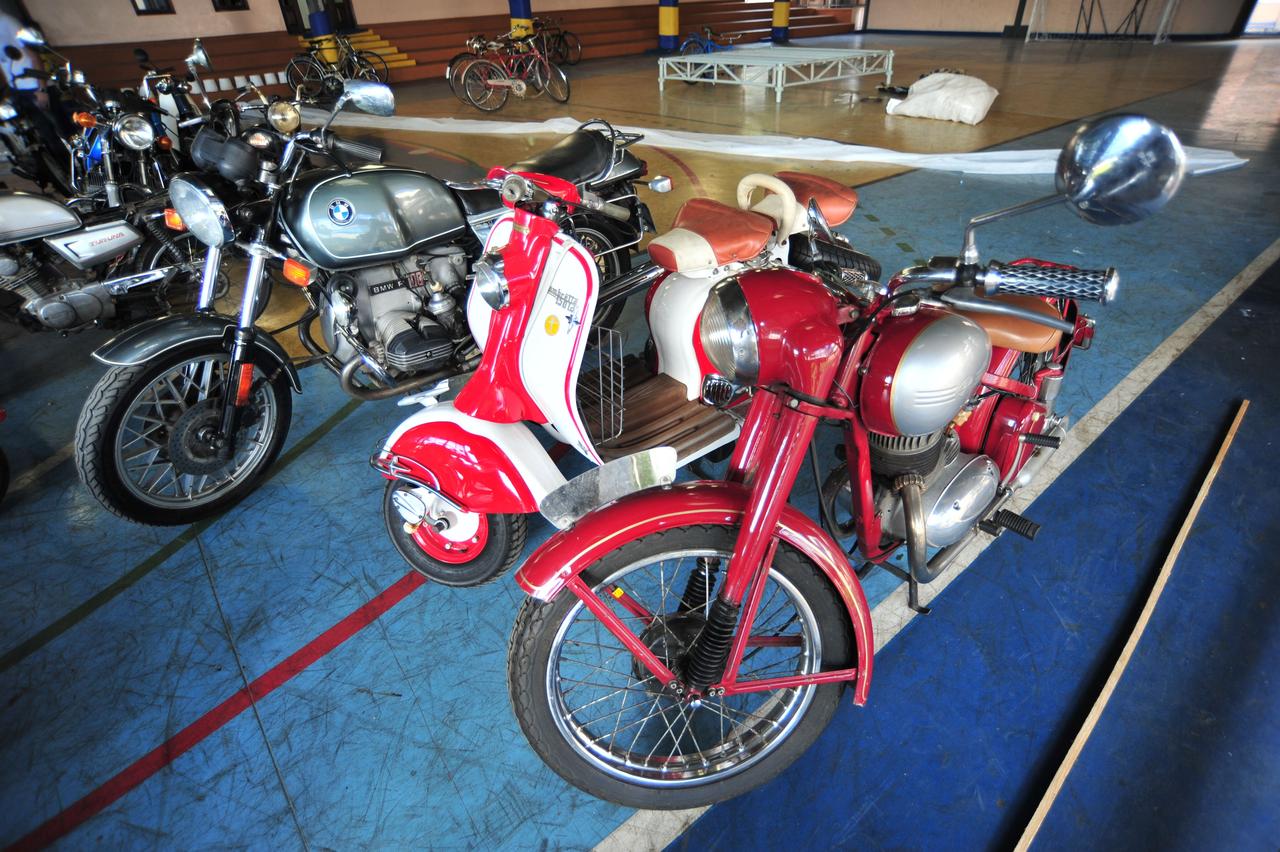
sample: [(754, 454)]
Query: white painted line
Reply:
[(657, 829)]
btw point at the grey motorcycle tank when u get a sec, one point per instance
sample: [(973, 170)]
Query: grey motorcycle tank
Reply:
[(375, 214), (24, 216)]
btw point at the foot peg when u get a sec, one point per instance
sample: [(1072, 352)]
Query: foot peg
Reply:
[(1035, 440), (1012, 521)]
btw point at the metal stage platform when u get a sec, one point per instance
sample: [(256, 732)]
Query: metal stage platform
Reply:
[(776, 68)]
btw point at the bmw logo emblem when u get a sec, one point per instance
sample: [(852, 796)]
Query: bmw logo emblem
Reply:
[(341, 212)]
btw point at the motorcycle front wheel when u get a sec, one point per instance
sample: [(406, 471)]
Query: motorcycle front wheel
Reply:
[(143, 444), (470, 550), (597, 716)]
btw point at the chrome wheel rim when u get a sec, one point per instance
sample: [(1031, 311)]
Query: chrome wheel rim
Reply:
[(614, 715), (180, 399)]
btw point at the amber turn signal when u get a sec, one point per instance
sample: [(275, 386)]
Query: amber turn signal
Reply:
[(173, 221), (297, 274), (85, 120), (164, 143)]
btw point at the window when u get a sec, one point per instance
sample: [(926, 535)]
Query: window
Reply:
[(153, 7), (230, 5)]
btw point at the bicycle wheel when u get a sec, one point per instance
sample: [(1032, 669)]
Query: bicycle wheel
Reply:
[(557, 84), (376, 63), (535, 71), (305, 76), (454, 69), (693, 48), (478, 85), (571, 47)]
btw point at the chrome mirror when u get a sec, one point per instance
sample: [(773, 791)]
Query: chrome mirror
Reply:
[(31, 37), (198, 57), (370, 97), (1120, 169)]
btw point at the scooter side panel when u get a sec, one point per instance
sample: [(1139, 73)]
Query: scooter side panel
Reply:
[(572, 551), (673, 321), (500, 465)]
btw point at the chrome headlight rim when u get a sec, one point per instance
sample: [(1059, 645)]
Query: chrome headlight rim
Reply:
[(202, 211), (134, 131), (727, 333), (490, 282)]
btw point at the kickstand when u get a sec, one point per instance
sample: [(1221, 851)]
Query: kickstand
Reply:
[(913, 587)]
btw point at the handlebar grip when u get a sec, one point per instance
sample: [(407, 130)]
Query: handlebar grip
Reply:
[(1093, 285), (614, 211), (357, 150)]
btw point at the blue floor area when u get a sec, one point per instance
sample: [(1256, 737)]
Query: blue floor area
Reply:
[(116, 636), (974, 706)]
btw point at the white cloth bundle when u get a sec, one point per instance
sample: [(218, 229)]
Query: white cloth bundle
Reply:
[(946, 96)]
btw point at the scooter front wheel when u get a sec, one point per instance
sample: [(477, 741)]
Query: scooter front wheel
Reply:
[(144, 442), (451, 548), (600, 719)]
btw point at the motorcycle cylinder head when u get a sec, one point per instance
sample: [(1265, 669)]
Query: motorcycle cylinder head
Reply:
[(895, 455)]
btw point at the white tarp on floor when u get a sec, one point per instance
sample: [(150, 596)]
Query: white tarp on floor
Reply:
[(1041, 161)]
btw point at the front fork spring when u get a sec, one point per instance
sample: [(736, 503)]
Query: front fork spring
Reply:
[(706, 662)]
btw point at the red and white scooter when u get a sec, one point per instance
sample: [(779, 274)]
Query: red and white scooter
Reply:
[(464, 474)]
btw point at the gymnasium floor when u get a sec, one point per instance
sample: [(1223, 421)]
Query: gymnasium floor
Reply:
[(274, 678)]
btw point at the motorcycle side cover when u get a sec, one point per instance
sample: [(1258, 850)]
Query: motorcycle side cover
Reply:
[(572, 551)]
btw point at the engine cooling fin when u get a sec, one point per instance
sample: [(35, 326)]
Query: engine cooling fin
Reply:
[(895, 455)]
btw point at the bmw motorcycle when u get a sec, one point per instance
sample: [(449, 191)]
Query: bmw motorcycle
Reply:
[(684, 643), (194, 408)]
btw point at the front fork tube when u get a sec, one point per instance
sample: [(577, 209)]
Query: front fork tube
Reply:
[(240, 376), (209, 280), (782, 457)]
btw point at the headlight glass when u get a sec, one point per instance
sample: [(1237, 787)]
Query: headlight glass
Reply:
[(204, 215), (134, 131), (728, 333), (490, 283), (284, 117)]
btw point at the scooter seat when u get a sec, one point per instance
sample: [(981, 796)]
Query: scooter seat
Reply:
[(835, 200), (580, 157), (707, 233), (1016, 333)]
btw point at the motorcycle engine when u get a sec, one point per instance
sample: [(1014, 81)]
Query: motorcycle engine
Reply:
[(404, 315)]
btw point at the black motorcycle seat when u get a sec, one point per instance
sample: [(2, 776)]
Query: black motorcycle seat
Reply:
[(477, 201), (578, 158)]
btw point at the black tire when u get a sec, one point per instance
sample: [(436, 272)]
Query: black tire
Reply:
[(692, 48), (183, 290), (557, 83), (305, 75), (453, 72), (504, 542), (570, 47), (543, 630), (477, 93), (110, 406)]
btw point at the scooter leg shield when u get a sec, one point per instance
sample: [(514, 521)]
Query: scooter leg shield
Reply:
[(484, 467), (570, 552)]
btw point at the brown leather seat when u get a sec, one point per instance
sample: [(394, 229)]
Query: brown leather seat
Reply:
[(836, 201), (1019, 334), (729, 233)]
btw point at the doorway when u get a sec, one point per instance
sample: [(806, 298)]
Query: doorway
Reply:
[(297, 15)]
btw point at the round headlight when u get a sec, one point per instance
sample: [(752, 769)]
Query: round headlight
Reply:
[(201, 210), (134, 131), (285, 117), (490, 283), (728, 333)]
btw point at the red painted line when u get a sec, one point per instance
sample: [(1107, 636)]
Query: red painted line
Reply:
[(693, 178), (189, 737)]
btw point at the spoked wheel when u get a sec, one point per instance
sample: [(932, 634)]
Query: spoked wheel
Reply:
[(557, 83), (305, 75), (569, 47), (447, 546), (454, 70), (145, 441), (611, 263), (478, 87), (599, 718), (693, 49), (372, 66)]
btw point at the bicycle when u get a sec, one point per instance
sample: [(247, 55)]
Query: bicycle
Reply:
[(516, 66), (561, 46), (696, 44), (313, 76)]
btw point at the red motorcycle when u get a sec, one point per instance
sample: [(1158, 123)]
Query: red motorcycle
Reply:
[(685, 643)]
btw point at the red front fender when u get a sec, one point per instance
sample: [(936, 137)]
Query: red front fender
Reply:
[(572, 551)]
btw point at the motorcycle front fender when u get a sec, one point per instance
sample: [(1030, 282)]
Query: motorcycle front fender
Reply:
[(153, 338), (570, 552), (480, 465)]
